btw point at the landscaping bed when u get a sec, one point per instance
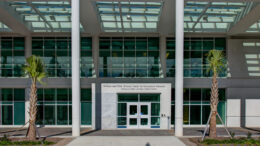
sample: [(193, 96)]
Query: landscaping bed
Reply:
[(226, 141), (23, 141)]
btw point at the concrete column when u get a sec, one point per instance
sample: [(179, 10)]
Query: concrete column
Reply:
[(179, 68), (93, 100), (95, 52), (28, 46), (163, 55), (75, 52)]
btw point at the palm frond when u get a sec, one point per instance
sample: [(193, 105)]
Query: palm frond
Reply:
[(216, 61), (35, 68)]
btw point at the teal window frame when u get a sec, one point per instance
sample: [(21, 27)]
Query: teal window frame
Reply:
[(59, 102), (195, 56), (56, 54), (12, 54), (129, 57), (12, 105), (198, 98)]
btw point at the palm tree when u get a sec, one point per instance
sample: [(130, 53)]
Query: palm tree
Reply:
[(216, 62), (36, 71)]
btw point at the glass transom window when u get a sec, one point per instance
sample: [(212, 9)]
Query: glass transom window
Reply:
[(129, 16)]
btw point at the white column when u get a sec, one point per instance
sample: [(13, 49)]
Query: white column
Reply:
[(75, 51), (93, 88), (179, 68)]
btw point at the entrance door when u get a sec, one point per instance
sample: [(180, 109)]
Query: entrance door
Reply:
[(138, 115)]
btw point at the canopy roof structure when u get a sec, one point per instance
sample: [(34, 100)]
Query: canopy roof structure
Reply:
[(147, 16)]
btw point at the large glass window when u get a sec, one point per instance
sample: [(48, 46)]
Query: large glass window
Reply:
[(56, 53), (196, 106), (54, 106), (12, 106), (129, 57), (195, 56), (12, 56)]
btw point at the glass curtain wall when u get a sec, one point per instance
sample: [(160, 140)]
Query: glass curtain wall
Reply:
[(12, 56), (195, 56), (12, 106), (56, 53), (196, 106), (54, 106), (129, 57), (123, 99)]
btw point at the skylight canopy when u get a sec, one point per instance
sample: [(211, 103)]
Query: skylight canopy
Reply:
[(213, 16), (45, 16), (4, 28), (129, 16)]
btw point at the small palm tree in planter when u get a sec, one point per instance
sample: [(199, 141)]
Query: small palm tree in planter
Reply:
[(216, 62), (34, 68)]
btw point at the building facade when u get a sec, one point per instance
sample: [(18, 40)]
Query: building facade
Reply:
[(123, 74)]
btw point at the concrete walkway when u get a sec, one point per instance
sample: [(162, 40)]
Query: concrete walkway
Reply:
[(126, 141)]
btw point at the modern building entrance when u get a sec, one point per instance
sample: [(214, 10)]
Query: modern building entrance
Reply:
[(139, 115), (138, 111)]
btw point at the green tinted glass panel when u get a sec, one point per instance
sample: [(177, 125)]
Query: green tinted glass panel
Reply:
[(205, 113), (86, 113), (39, 116), (19, 43), (19, 113), (7, 115), (150, 97), (206, 94), (50, 94), (7, 94), (121, 121), (172, 114), (62, 94), (155, 121), (195, 94), (85, 94), (49, 115), (127, 97), (144, 121), (19, 94), (133, 121), (121, 109), (186, 118), (155, 107), (62, 115), (221, 112), (195, 114)]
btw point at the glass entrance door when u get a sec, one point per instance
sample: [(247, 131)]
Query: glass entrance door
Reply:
[(138, 115)]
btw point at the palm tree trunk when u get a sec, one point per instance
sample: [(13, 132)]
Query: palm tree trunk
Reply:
[(214, 107), (32, 112)]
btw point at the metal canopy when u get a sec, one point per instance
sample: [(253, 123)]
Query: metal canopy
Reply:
[(146, 16), (45, 16), (213, 16), (129, 16)]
